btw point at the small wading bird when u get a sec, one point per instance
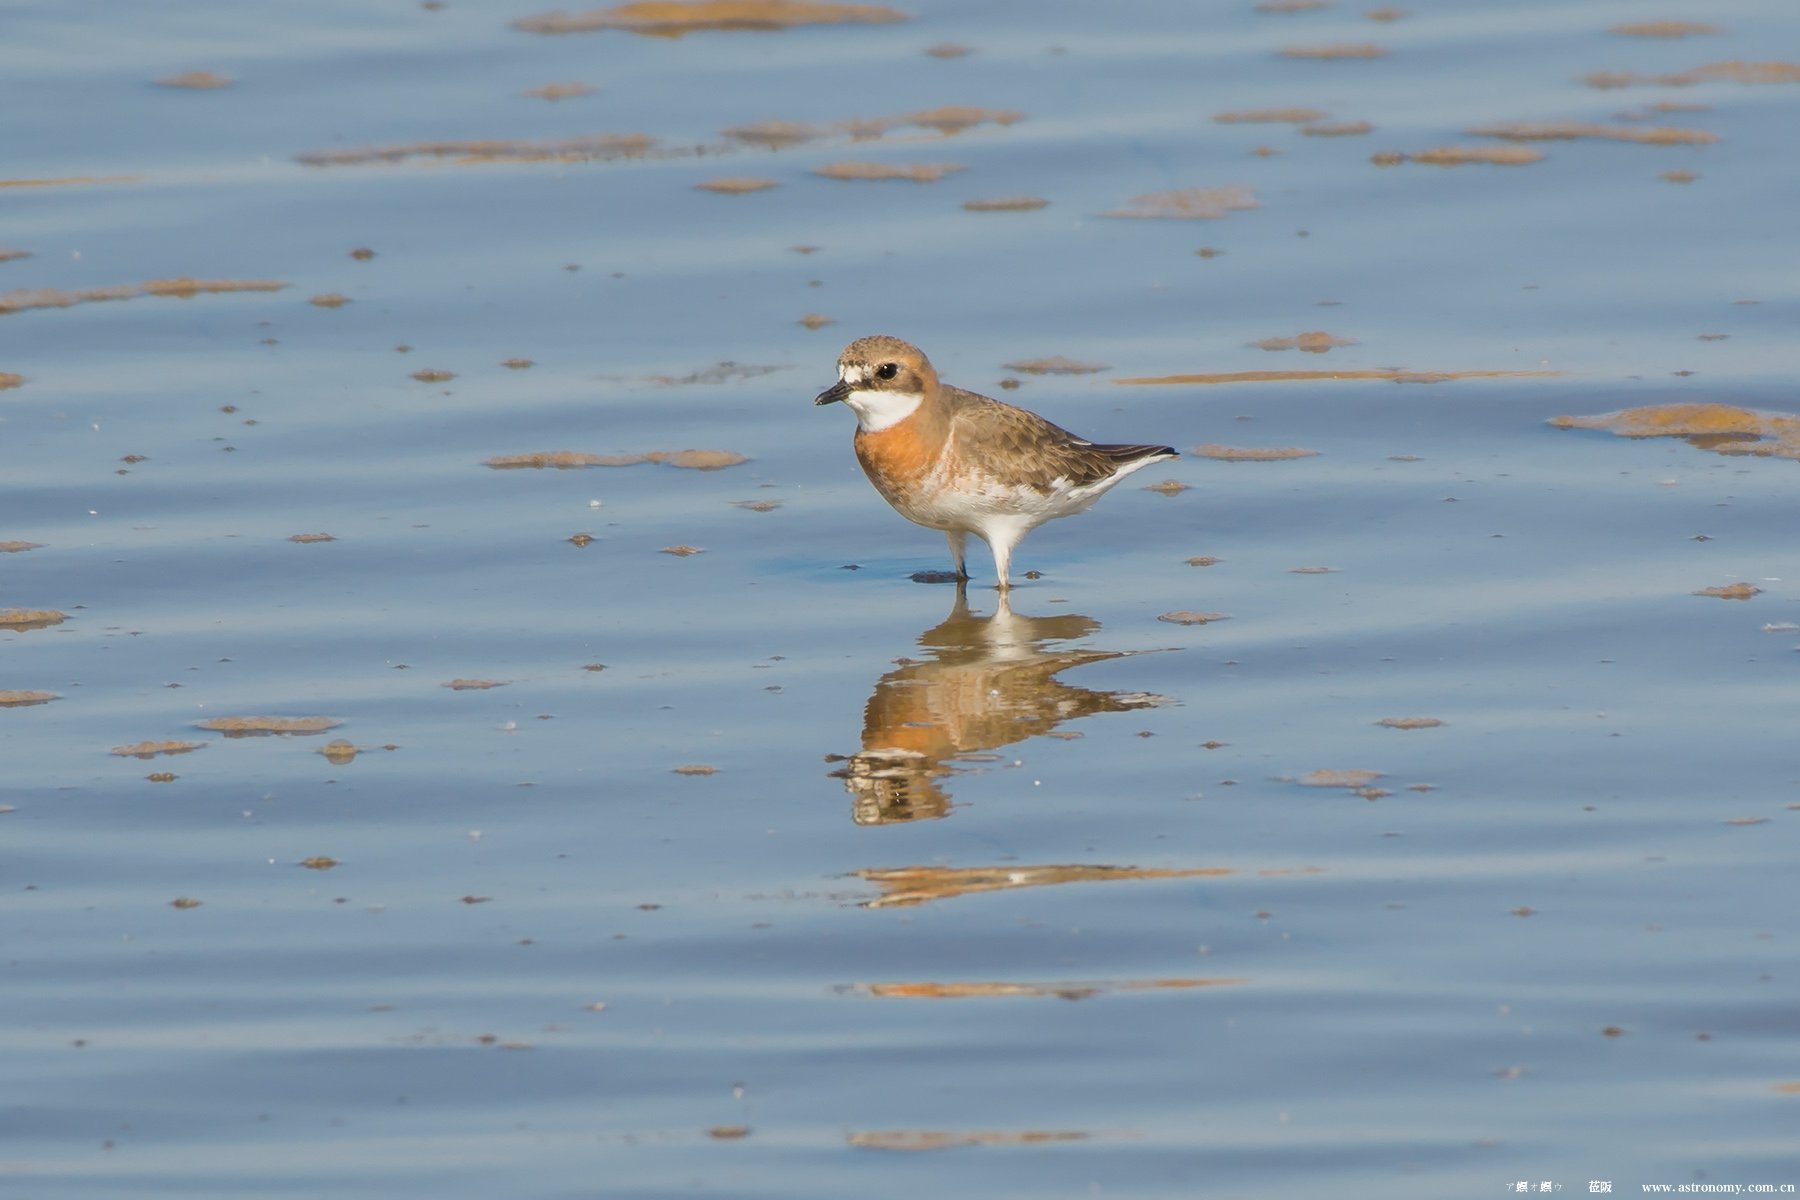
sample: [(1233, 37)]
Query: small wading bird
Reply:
[(952, 460)]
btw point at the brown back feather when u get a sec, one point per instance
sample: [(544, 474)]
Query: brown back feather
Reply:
[(1022, 448)]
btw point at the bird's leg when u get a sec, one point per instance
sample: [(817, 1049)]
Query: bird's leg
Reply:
[(958, 539), (1002, 546)]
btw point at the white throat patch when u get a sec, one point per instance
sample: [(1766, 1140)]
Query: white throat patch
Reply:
[(876, 411)]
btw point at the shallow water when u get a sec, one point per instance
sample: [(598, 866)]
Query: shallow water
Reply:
[(1007, 900)]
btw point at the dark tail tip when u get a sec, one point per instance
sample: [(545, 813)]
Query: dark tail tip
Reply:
[(1131, 454)]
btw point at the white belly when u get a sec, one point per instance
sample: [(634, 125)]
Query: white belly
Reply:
[(980, 505)]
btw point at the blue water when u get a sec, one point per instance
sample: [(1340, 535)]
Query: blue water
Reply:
[(1551, 949)]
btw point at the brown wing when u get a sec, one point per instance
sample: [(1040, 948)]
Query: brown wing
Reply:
[(1021, 448)]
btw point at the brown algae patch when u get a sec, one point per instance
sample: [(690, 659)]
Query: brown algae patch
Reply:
[(1665, 29), (1679, 176), (12, 254), (1720, 428), (1007, 204), (24, 299), (698, 460), (1315, 342), (1738, 72), (1220, 453), (595, 147), (187, 286), (929, 990), (1549, 131), (10, 380), (25, 699), (816, 321), (1168, 487), (683, 551), (561, 460), (736, 185), (472, 685), (1258, 116), (1335, 50), (775, 135), (1396, 376), (340, 751), (1188, 204), (696, 769), (554, 92), (905, 887), (759, 506), (1410, 722), (673, 18), (948, 120), (28, 298), (1458, 156), (152, 749), (433, 375), (329, 300), (308, 539), (1731, 591), (912, 172), (565, 460), (915, 1140), (30, 618), (1613, 79), (1056, 365), (1337, 129), (1354, 778), (1388, 14), (268, 726), (196, 80), (1188, 617), (1290, 6), (949, 50), (952, 119), (1719, 72), (68, 181)]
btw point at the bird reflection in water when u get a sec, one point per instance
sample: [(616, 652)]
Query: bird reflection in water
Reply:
[(989, 681)]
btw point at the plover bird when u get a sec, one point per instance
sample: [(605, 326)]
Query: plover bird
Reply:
[(952, 460)]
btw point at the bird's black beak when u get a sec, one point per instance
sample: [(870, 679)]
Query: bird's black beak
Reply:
[(833, 394)]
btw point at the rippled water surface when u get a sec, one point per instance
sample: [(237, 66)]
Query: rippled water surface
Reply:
[(1413, 817)]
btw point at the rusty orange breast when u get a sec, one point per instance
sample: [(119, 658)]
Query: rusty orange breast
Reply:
[(897, 459)]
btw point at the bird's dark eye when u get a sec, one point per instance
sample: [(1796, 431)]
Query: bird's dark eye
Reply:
[(888, 370)]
